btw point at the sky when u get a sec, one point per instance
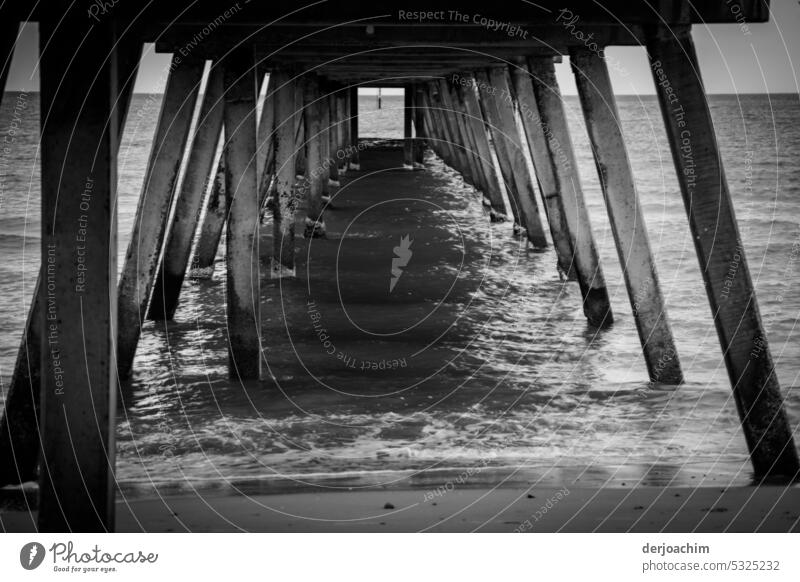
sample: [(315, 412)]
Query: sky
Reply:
[(754, 58)]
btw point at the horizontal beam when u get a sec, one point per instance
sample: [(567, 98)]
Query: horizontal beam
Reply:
[(279, 13), (330, 42)]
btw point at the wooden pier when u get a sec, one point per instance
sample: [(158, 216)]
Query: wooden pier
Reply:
[(473, 94)]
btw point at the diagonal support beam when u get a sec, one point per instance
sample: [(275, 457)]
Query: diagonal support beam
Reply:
[(150, 224), (596, 305), (690, 130), (625, 213)]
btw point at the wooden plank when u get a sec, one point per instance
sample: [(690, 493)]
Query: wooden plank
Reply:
[(150, 225), (587, 267), (721, 254), (79, 257), (243, 280), (625, 213)]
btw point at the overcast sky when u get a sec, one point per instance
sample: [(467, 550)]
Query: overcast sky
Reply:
[(732, 60)]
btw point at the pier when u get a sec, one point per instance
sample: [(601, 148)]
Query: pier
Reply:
[(480, 94)]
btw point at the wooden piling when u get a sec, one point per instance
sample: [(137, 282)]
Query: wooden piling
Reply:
[(419, 126), (266, 146), (189, 202), (19, 425), (432, 128), (284, 211), (472, 168), (596, 305), (150, 224), (242, 236), (205, 253), (315, 155), (493, 196), (340, 155), (333, 143), (460, 155), (355, 162), (731, 295), (323, 107), (452, 154), (545, 171), (506, 171), (625, 213), (202, 265), (79, 258), (408, 137), (9, 30), (508, 144)]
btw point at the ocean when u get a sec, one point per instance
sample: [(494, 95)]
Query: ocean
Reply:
[(504, 380)]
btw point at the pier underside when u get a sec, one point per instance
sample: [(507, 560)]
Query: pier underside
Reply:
[(292, 193)]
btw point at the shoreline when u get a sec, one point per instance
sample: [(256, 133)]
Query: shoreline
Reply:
[(462, 509)]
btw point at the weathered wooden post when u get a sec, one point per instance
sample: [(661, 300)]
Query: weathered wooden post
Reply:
[(189, 202), (493, 196), (408, 137), (19, 425), (150, 224), (419, 127), (475, 176), (588, 271), (323, 108), (9, 29), (79, 261), (265, 145), (242, 237), (508, 144), (702, 181), (460, 155), (432, 128), (454, 156), (333, 139), (300, 144), (285, 176), (341, 131), (490, 114), (315, 156), (205, 253), (355, 163), (625, 213), (433, 123), (545, 173)]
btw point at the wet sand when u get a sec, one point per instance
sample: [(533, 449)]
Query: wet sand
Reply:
[(647, 509)]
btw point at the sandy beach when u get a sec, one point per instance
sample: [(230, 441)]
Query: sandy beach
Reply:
[(647, 509)]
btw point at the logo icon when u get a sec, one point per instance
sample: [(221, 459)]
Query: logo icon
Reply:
[(31, 555), (402, 256)]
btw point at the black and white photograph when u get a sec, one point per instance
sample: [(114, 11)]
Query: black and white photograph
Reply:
[(301, 267)]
